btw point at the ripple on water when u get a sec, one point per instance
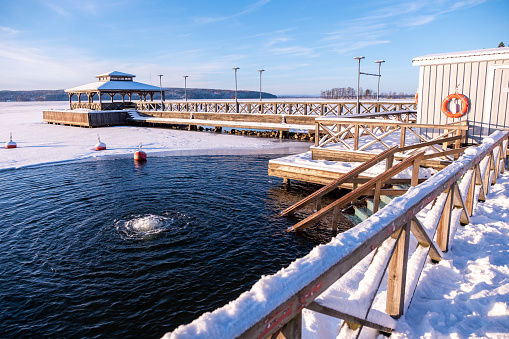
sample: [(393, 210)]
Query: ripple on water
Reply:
[(107, 249), (150, 225)]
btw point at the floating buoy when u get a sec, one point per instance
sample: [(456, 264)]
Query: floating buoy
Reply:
[(100, 146), (139, 155), (10, 144)]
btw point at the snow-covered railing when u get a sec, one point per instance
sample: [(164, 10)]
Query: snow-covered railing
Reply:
[(318, 108), (343, 278)]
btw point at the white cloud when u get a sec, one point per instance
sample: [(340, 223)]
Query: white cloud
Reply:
[(8, 30), (251, 8)]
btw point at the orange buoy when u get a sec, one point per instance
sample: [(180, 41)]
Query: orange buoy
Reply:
[(10, 143), (464, 105), (139, 155), (416, 98), (100, 146)]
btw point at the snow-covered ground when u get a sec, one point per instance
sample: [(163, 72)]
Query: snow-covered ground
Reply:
[(39, 142), (466, 295)]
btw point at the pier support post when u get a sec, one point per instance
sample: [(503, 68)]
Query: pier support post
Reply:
[(218, 129)]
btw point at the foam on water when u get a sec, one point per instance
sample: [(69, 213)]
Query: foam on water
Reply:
[(142, 226)]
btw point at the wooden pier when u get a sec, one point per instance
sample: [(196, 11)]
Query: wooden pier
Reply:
[(374, 249)]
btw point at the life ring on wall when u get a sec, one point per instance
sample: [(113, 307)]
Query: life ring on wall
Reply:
[(464, 105), (416, 98)]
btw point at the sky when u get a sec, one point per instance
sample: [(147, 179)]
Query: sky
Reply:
[(303, 46)]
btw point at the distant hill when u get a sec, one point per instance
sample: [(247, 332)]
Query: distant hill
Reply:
[(170, 93)]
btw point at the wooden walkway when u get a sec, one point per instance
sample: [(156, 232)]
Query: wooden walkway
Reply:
[(246, 122)]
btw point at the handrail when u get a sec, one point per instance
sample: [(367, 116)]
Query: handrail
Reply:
[(274, 303), (353, 195), (317, 108), (344, 178)]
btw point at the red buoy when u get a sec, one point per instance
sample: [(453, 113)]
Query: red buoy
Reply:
[(139, 155), (10, 144), (100, 146)]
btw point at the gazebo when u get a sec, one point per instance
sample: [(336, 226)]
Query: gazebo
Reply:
[(111, 83)]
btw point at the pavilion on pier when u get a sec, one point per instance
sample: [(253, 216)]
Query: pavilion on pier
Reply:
[(111, 84)]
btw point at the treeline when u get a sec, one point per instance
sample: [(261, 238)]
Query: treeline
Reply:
[(351, 93), (170, 93)]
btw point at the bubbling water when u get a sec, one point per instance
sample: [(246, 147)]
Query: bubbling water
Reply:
[(143, 226)]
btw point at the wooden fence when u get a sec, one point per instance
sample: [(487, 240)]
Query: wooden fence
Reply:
[(356, 135), (380, 246), (323, 108)]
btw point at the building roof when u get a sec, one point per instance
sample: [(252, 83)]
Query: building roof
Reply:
[(114, 85), (116, 73), (466, 56)]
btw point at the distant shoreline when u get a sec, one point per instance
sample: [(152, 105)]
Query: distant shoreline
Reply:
[(170, 94)]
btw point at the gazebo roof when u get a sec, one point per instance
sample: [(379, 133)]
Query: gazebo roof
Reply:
[(108, 82), (114, 86), (116, 73)]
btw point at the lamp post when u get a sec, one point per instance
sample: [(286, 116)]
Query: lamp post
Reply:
[(379, 62), (358, 82), (236, 101), (261, 70), (185, 86), (161, 89)]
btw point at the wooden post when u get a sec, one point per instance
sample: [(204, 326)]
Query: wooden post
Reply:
[(469, 202), (376, 197), (356, 137), (397, 274), (389, 162), (415, 171), (402, 138), (335, 218), (444, 225), (291, 330), (317, 133)]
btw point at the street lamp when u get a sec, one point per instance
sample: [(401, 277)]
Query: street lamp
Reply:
[(379, 62), (185, 85), (236, 101), (161, 89), (261, 70), (358, 82)]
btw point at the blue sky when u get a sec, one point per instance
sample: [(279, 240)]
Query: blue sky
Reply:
[(304, 46)]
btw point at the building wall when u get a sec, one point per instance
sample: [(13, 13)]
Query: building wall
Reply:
[(437, 81)]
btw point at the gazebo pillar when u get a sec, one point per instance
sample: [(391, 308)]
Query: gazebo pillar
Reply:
[(70, 101)]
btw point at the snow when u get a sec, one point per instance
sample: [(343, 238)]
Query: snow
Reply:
[(42, 143), (305, 160)]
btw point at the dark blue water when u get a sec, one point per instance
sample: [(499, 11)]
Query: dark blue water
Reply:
[(108, 249)]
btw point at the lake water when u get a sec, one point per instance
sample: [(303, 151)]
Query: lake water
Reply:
[(112, 249)]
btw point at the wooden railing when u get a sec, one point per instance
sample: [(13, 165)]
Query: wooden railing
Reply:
[(428, 212), (105, 106), (355, 136), (318, 108)]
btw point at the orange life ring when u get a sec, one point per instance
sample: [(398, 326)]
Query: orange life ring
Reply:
[(464, 105), (416, 98)]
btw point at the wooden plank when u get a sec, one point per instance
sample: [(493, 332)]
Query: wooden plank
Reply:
[(291, 330), (355, 194), (422, 237), (396, 282), (335, 184), (429, 143), (316, 307), (444, 225), (459, 201)]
